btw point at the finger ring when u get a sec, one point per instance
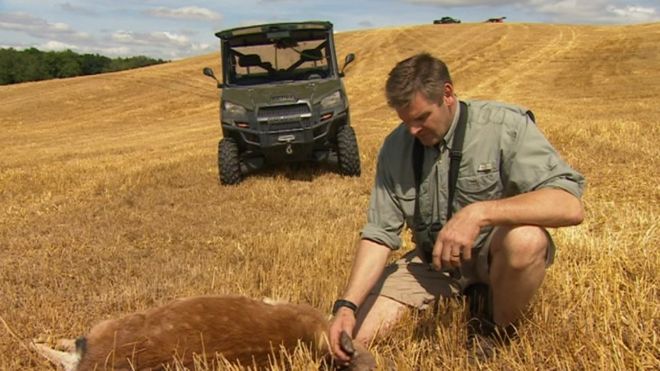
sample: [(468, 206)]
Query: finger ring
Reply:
[(456, 255)]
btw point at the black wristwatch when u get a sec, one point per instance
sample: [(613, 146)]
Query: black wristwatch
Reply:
[(344, 303)]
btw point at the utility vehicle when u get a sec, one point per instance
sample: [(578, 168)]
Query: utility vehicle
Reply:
[(282, 99)]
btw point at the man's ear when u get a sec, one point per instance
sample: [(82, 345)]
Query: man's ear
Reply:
[(448, 96)]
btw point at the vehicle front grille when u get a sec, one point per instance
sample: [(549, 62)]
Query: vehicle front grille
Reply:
[(285, 117), (286, 126), (284, 113)]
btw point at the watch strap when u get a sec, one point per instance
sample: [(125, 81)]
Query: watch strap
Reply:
[(344, 303)]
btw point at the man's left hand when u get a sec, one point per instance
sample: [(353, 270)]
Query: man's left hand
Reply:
[(454, 243)]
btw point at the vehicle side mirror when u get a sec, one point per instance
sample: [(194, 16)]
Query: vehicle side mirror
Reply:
[(349, 58), (208, 71)]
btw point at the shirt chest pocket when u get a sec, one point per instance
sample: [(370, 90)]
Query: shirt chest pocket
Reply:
[(478, 187)]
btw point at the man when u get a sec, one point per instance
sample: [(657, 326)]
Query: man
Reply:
[(511, 185)]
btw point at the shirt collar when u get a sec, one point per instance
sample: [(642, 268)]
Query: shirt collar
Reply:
[(447, 140)]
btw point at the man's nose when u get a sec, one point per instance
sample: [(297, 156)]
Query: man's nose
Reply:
[(414, 130)]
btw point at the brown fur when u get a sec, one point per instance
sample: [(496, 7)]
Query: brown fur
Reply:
[(239, 328)]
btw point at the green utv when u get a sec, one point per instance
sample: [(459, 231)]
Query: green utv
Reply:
[(282, 99)]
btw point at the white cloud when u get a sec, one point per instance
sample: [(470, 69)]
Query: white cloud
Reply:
[(160, 38), (61, 27), (188, 12), (39, 28), (634, 13), (162, 44), (565, 11), (77, 9), (118, 51), (200, 47), (123, 37), (594, 11), (172, 37), (465, 3), (567, 7), (56, 45)]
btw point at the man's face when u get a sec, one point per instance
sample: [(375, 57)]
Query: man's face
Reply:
[(428, 121)]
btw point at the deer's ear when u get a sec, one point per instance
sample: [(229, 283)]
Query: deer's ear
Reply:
[(361, 358), (346, 343), (68, 360)]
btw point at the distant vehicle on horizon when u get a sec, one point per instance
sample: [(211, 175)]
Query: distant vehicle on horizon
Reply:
[(446, 20), (495, 20)]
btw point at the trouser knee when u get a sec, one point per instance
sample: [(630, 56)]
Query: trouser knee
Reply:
[(520, 247)]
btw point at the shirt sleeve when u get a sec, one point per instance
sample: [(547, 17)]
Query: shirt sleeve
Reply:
[(385, 218), (530, 162)]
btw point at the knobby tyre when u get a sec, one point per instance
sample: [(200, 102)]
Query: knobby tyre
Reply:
[(229, 164), (347, 152)]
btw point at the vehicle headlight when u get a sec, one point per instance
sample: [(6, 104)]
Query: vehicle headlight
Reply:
[(233, 109), (332, 100)]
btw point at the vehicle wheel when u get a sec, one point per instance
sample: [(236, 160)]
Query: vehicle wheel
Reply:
[(229, 165), (348, 155)]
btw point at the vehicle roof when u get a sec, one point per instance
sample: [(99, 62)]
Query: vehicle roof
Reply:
[(273, 27)]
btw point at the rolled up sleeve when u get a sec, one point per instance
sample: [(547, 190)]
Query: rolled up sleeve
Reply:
[(385, 218)]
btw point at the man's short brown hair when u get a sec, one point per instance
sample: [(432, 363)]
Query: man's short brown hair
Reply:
[(420, 73)]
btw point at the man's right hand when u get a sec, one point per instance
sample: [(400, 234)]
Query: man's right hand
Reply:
[(368, 266), (344, 320)]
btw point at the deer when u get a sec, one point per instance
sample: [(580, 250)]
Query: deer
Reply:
[(243, 330)]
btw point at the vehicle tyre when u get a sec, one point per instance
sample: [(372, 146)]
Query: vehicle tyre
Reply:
[(229, 164), (348, 155)]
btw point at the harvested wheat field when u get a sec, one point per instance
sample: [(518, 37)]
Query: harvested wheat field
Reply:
[(111, 202)]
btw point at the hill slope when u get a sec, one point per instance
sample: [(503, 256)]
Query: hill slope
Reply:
[(110, 200)]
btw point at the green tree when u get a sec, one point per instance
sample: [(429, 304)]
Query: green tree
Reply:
[(92, 64), (7, 59), (69, 64), (29, 66), (33, 65)]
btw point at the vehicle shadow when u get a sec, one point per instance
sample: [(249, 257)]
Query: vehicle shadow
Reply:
[(302, 171)]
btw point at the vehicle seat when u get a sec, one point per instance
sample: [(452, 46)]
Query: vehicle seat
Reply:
[(311, 55), (249, 60)]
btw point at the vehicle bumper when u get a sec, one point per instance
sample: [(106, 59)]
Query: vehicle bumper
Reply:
[(290, 141)]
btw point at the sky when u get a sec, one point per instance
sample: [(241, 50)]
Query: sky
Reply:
[(179, 29)]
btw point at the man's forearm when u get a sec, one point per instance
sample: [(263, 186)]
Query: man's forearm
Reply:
[(544, 207), (368, 266)]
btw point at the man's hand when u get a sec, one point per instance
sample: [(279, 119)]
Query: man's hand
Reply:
[(454, 243), (344, 320)]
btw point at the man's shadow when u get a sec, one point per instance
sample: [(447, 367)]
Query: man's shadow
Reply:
[(445, 314)]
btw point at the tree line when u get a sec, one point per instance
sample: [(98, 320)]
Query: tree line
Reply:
[(35, 65)]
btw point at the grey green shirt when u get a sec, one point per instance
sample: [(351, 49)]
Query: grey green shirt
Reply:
[(504, 154)]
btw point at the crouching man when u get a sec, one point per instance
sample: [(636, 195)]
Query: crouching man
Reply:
[(477, 183)]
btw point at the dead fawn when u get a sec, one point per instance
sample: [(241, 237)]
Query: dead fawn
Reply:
[(240, 329)]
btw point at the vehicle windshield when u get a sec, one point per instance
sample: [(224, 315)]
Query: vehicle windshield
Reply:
[(277, 57)]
